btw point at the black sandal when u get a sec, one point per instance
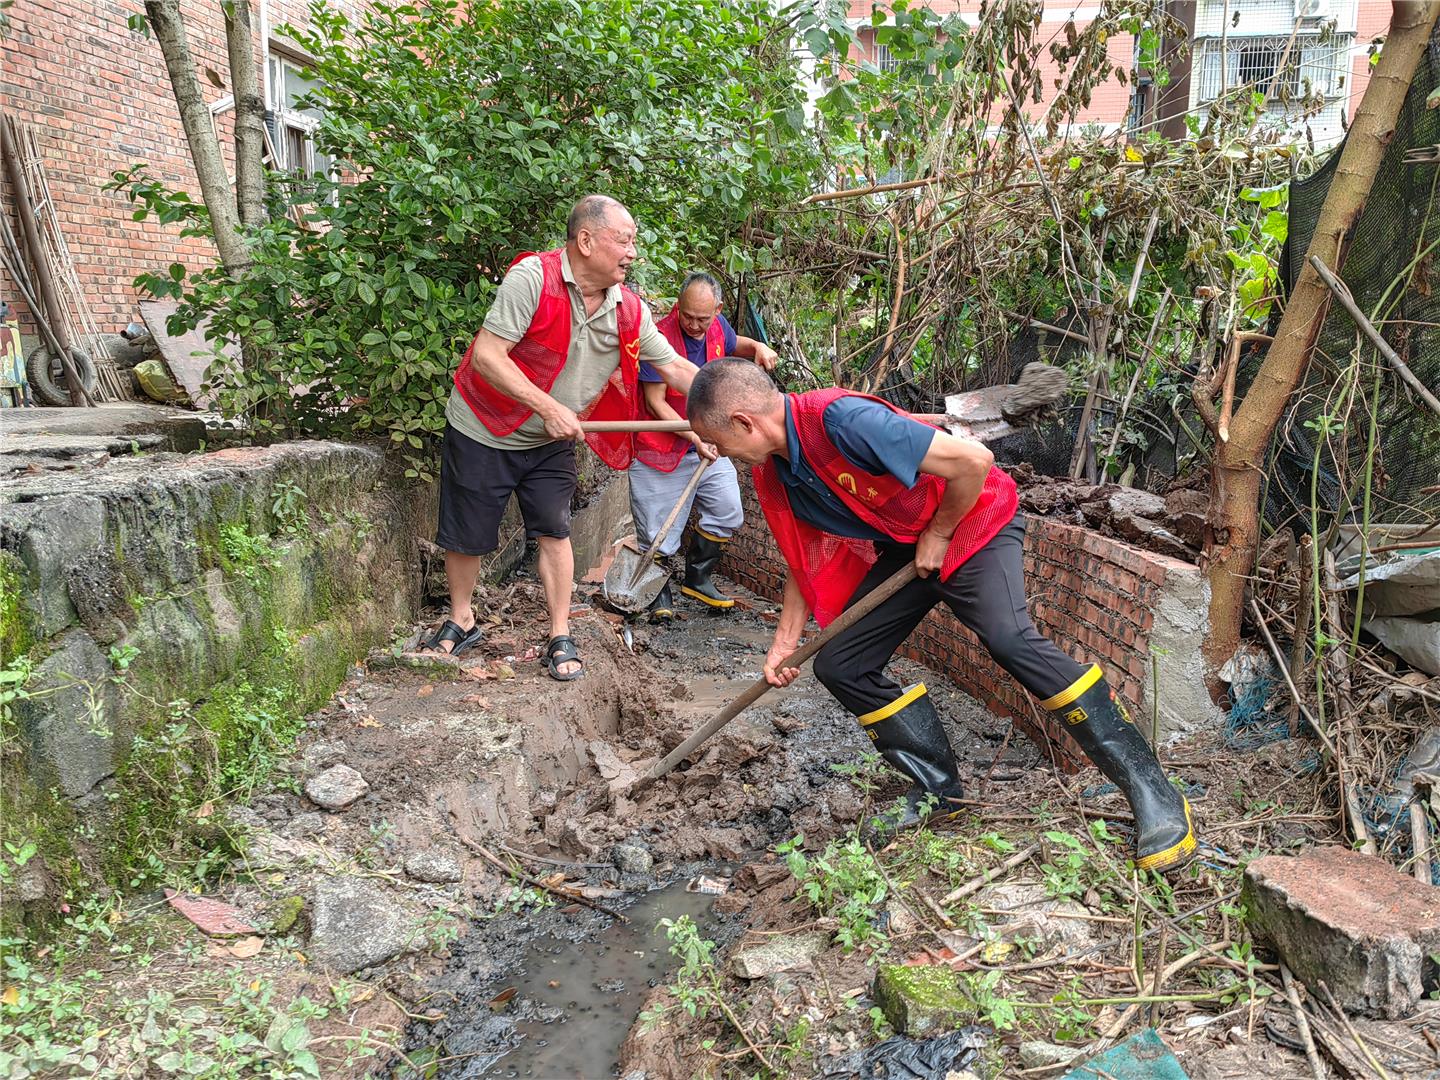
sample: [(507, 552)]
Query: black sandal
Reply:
[(562, 650), (461, 638)]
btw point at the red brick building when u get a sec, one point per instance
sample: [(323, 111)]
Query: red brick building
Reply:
[(99, 98)]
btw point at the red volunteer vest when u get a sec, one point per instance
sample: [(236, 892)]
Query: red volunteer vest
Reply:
[(659, 449), (828, 568), (541, 355)]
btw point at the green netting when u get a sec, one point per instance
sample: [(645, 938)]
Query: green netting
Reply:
[(1401, 218)]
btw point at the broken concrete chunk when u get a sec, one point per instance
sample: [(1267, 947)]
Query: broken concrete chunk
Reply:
[(433, 866), (320, 756), (1039, 1055), (1351, 920), (779, 953), (922, 1000), (336, 788), (354, 925)]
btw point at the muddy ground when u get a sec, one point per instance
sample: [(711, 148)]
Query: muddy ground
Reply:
[(481, 772)]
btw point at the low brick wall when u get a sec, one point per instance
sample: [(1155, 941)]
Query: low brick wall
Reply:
[(1137, 614)]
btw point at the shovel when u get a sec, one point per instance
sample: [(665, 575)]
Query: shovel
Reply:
[(635, 578), (873, 599)]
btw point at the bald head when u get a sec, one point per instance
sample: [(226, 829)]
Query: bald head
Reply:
[(728, 386), (591, 213)]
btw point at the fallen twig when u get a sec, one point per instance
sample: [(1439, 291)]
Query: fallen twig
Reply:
[(534, 882), (976, 884), (1350, 1028), (1284, 667), (1302, 1024)]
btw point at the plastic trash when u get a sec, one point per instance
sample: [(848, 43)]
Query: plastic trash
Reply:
[(902, 1058), (1140, 1057)]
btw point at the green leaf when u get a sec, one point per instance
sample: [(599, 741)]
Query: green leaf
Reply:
[(1276, 226), (418, 286)]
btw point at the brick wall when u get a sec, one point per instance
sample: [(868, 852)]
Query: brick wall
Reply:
[(99, 95), (1094, 597)]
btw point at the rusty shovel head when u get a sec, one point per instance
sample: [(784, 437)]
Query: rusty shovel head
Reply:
[(633, 581)]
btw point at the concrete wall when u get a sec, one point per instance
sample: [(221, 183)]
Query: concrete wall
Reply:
[(180, 615), (1139, 615)]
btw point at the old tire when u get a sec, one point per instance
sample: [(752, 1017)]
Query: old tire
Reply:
[(49, 385)]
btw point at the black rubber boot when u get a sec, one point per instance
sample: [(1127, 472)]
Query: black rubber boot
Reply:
[(1100, 723), (700, 563), (909, 735), (662, 608)]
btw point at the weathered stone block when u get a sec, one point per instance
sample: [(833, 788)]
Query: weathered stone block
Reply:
[(1351, 920), (922, 1000), (336, 788), (779, 953), (68, 716), (354, 925)]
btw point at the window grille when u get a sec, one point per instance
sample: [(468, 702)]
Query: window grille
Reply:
[(1314, 66)]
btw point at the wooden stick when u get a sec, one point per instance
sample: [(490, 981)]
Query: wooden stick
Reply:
[(534, 882), (1350, 1028), (976, 884), (1302, 1024), (1285, 671), (1420, 836), (1140, 259), (1139, 370), (1342, 293)]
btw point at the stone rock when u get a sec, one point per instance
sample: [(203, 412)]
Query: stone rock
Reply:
[(354, 925), (779, 953), (922, 1000), (309, 823), (336, 788), (279, 916), (1350, 919), (1185, 513), (33, 882), (1037, 1055), (69, 716), (1153, 537), (632, 858), (320, 756), (433, 866)]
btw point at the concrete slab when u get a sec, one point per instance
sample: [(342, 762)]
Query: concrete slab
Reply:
[(1352, 920), (50, 434)]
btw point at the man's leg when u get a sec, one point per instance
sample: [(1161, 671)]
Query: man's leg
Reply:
[(545, 493), (652, 496), (987, 594), (720, 514), (475, 484), (901, 722)]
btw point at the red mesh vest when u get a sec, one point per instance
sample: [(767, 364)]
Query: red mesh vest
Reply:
[(658, 449), (541, 355), (827, 568)]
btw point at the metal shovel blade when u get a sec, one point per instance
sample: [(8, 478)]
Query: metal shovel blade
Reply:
[(633, 581)]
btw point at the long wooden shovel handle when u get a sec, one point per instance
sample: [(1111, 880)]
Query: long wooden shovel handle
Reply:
[(674, 426), (664, 530), (873, 599)]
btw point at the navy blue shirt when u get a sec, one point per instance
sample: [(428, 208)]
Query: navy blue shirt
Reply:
[(870, 437), (694, 350)]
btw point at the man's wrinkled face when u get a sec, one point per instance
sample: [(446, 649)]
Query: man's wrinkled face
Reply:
[(697, 310), (737, 439), (610, 249)]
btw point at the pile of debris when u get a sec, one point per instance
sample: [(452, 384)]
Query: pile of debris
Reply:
[(1172, 524)]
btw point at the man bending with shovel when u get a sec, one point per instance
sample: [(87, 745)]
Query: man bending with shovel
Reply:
[(854, 489)]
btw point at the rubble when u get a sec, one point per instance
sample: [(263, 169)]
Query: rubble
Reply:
[(336, 788), (784, 952), (1170, 525), (1350, 920)]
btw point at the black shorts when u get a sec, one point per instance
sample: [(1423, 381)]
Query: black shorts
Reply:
[(475, 484)]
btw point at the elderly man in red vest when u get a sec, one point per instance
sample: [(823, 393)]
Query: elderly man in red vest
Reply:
[(563, 339), (664, 464), (854, 489)]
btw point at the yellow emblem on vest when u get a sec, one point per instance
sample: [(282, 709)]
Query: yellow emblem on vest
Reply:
[(632, 349), (847, 481)]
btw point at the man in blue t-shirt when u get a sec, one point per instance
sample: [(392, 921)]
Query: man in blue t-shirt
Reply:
[(695, 329)]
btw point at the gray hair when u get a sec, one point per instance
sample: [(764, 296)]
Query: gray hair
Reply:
[(592, 212), (729, 385), (699, 277)]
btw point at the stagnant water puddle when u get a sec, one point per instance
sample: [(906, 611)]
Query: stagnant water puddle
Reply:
[(573, 1001)]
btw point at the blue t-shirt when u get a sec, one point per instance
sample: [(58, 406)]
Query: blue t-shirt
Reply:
[(694, 350), (870, 437)]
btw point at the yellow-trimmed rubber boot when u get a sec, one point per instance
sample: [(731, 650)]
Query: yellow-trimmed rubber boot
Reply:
[(908, 734), (662, 608), (1100, 723), (700, 562)]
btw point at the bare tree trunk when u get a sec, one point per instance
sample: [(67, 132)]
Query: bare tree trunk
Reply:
[(1232, 532), (169, 28), (249, 113)]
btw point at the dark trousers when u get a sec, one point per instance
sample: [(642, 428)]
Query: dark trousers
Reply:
[(987, 594)]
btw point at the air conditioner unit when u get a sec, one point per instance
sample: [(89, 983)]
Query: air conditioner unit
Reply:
[(1313, 9)]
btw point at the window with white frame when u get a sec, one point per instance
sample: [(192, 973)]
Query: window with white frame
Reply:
[(293, 133), (1316, 64)]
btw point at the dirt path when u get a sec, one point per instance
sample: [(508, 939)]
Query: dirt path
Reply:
[(412, 954)]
